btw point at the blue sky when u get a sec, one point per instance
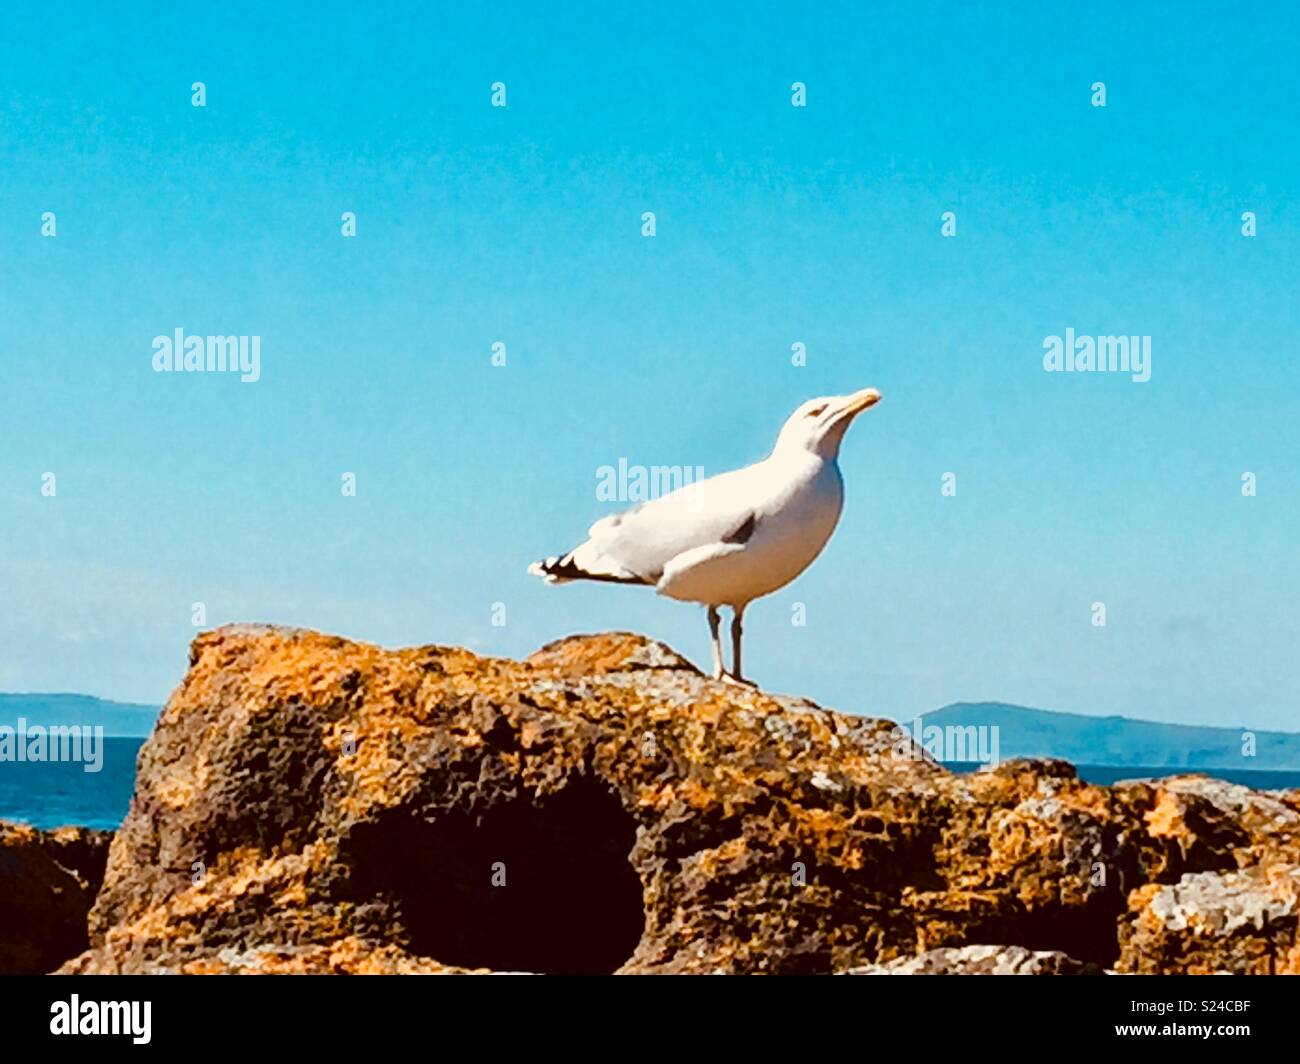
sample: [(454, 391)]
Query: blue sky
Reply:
[(775, 224)]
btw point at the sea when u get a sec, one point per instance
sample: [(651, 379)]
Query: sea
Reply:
[(1105, 775), (51, 794)]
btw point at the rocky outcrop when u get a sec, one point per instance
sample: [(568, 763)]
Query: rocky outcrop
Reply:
[(307, 803), (48, 880), (1208, 922), (1233, 905), (981, 960)]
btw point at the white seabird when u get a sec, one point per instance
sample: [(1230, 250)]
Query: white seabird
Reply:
[(729, 539)]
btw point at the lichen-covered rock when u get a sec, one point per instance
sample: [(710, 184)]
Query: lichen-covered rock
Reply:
[(48, 880), (347, 956), (1213, 824), (1241, 922), (307, 803), (982, 960)]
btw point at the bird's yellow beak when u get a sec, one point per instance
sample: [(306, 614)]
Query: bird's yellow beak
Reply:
[(859, 401)]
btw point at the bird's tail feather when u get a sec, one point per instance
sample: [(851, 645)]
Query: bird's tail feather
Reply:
[(582, 564)]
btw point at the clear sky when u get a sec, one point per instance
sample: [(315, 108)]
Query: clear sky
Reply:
[(774, 225)]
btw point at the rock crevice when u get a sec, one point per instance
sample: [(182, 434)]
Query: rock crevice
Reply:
[(48, 880)]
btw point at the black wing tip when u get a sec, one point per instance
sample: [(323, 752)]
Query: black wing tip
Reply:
[(556, 569)]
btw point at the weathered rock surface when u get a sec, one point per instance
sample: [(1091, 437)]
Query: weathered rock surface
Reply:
[(1207, 922), (307, 803), (48, 880), (982, 960)]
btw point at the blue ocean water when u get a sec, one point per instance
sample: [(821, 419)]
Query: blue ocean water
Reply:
[(51, 794), (1105, 775)]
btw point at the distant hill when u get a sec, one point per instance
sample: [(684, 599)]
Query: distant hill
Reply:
[(116, 718), (1119, 741)]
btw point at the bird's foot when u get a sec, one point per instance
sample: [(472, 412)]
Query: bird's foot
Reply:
[(737, 681)]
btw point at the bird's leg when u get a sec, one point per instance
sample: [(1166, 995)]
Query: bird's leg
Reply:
[(738, 612), (715, 621)]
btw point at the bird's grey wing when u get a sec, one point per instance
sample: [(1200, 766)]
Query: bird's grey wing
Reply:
[(646, 539)]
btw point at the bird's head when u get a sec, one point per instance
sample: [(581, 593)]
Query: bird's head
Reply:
[(819, 424)]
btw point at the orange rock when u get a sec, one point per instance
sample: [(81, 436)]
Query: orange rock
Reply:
[(602, 806)]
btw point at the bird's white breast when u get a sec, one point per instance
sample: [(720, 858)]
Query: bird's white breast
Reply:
[(788, 539), (796, 505)]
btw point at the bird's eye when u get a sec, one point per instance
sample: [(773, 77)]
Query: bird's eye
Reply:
[(815, 411)]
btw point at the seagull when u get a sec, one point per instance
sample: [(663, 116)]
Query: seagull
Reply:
[(731, 538)]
